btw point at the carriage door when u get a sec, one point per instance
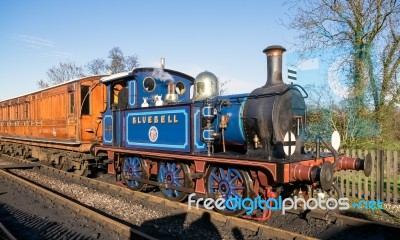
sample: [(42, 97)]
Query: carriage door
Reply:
[(87, 129), (71, 122)]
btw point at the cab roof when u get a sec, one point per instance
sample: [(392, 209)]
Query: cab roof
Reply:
[(121, 75)]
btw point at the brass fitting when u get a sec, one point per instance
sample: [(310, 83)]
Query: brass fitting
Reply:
[(215, 135), (256, 141), (224, 121)]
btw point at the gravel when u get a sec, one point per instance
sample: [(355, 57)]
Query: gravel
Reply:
[(30, 216), (154, 219), (165, 222), (390, 214)]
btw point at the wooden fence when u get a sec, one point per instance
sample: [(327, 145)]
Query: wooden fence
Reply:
[(383, 183)]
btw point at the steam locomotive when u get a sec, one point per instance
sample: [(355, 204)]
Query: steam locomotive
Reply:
[(242, 145), (147, 129)]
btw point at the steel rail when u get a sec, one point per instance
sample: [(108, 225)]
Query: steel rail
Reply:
[(80, 209), (5, 234), (262, 230), (341, 219)]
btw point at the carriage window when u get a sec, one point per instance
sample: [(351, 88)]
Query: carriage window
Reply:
[(149, 84), (71, 103), (85, 100)]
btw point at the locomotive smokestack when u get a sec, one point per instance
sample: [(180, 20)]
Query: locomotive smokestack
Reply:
[(274, 65)]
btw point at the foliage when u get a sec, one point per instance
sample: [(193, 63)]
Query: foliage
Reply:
[(326, 114)]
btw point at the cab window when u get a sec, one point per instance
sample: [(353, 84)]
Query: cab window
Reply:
[(117, 87), (119, 96)]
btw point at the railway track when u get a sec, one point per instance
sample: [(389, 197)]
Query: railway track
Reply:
[(126, 230), (262, 231), (5, 234), (339, 226), (346, 227)]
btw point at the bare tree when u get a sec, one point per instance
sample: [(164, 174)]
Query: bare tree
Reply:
[(117, 63), (223, 87), (385, 87), (365, 30), (120, 63), (96, 67), (62, 73), (355, 27), (131, 62), (42, 84)]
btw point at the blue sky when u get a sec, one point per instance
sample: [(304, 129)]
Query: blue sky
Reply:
[(224, 37)]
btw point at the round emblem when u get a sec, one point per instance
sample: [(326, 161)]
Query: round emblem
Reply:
[(153, 134), (289, 143)]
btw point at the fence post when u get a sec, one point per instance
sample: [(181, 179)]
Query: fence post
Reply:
[(381, 173), (388, 176), (348, 175), (373, 175), (366, 193), (359, 178), (395, 184), (353, 177)]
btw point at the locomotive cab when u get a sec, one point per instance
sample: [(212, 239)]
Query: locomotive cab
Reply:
[(146, 87), (139, 89)]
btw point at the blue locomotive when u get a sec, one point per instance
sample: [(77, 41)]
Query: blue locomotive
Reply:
[(155, 132)]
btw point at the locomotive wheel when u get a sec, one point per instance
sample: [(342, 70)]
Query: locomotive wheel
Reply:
[(229, 183), (134, 167), (177, 174)]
